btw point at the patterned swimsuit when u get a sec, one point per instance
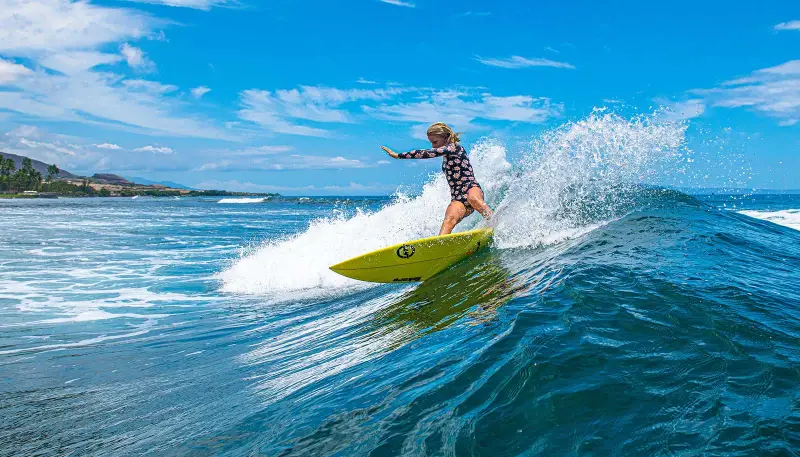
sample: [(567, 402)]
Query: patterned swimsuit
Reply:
[(455, 166)]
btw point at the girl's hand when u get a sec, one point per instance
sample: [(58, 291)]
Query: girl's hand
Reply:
[(390, 152)]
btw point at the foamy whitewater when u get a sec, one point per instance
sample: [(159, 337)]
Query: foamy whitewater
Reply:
[(612, 316), (787, 218), (243, 200), (572, 180)]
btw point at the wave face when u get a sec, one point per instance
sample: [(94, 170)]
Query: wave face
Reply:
[(611, 317)]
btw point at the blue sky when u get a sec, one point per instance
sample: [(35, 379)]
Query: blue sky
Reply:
[(297, 96)]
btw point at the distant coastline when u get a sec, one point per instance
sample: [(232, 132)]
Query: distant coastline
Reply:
[(23, 177)]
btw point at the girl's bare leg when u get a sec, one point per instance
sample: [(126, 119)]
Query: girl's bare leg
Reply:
[(475, 200), (456, 211)]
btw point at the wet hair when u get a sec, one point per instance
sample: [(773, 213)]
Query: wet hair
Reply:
[(440, 128)]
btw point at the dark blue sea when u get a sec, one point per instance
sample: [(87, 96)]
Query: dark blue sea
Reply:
[(608, 318)]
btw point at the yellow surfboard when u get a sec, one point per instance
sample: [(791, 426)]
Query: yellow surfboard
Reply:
[(415, 260)]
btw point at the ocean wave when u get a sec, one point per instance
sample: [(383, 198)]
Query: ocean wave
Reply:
[(570, 181), (787, 218), (243, 200)]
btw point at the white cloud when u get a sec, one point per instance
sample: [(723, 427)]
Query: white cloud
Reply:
[(150, 87), (461, 109), (31, 28), (199, 91), (51, 146), (108, 146), (72, 62), (791, 25), (773, 91), (678, 111), (156, 149), (9, 71), (247, 186), (37, 144), (261, 150), (280, 111), (70, 37), (196, 4), (477, 13), (366, 81), (136, 58), (515, 62), (78, 155), (399, 3), (107, 99), (213, 166), (284, 162), (28, 131), (383, 162), (253, 151)]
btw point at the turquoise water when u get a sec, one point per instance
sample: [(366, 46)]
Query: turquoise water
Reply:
[(608, 318), (672, 330)]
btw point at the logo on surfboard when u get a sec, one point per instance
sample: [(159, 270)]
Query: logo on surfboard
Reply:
[(405, 251)]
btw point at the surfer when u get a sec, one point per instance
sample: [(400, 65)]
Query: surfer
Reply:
[(465, 192)]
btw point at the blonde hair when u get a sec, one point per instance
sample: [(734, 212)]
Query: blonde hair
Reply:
[(440, 128)]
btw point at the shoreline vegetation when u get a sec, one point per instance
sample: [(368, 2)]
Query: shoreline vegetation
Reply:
[(27, 182)]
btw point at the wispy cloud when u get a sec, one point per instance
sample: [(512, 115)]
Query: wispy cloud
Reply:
[(150, 87), (195, 4), (284, 162), (51, 146), (9, 71), (256, 151), (73, 62), (81, 155), (399, 3), (791, 25), (72, 38), (477, 13), (37, 144), (773, 91), (304, 111), (247, 186), (515, 62), (136, 58), (366, 81), (199, 91), (108, 146), (37, 28), (280, 111), (156, 149), (463, 108)]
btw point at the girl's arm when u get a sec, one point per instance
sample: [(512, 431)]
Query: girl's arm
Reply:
[(428, 153)]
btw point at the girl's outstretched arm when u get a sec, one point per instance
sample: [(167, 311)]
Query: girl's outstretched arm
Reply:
[(393, 154), (428, 153)]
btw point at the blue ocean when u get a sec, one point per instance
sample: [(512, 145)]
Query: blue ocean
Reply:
[(611, 316)]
